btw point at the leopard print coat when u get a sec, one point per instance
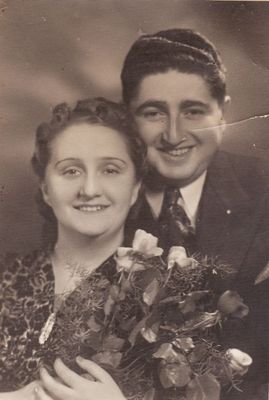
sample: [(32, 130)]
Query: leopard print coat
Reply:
[(26, 302)]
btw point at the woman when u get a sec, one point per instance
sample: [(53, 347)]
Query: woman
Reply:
[(89, 165)]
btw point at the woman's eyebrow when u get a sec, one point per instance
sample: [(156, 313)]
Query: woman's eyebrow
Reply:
[(151, 103), (109, 158), (113, 159), (66, 159)]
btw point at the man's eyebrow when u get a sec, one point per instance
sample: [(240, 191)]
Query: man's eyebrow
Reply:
[(194, 103), (151, 103)]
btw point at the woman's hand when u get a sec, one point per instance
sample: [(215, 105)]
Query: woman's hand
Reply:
[(98, 384), (26, 393)]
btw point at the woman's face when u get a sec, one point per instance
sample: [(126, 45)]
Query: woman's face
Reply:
[(90, 180)]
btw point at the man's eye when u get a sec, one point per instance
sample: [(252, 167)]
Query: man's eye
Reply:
[(153, 115), (194, 112)]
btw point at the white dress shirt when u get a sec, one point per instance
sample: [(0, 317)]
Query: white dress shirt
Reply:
[(191, 195)]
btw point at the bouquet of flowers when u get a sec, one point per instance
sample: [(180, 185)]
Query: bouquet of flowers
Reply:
[(155, 326)]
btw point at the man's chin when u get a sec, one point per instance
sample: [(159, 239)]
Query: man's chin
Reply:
[(159, 178)]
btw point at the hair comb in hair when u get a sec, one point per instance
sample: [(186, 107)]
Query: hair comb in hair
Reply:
[(61, 113)]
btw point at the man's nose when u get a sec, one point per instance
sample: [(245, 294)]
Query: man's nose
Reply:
[(174, 131), (90, 186)]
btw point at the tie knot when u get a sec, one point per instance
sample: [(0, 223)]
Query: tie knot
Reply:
[(171, 196)]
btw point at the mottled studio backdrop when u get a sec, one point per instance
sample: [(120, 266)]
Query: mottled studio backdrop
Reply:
[(62, 50)]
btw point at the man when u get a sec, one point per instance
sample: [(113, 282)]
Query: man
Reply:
[(174, 86)]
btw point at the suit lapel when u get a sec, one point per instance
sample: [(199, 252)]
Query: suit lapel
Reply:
[(224, 223)]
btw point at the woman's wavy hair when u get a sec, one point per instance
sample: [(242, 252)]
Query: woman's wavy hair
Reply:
[(183, 50), (92, 111)]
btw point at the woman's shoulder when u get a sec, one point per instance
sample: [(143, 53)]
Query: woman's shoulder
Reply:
[(13, 265)]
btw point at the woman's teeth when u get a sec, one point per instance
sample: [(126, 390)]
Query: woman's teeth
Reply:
[(91, 208), (178, 152)]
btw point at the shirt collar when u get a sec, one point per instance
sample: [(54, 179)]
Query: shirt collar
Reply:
[(191, 195)]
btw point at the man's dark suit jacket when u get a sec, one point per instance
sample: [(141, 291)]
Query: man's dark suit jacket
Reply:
[(233, 217), (232, 224)]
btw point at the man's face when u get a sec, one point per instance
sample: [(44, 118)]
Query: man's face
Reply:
[(181, 123)]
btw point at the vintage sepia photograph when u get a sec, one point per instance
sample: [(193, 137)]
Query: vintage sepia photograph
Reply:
[(134, 200)]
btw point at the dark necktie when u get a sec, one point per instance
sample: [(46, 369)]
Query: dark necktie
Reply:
[(175, 225)]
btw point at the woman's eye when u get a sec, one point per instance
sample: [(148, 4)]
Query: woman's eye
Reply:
[(111, 171), (71, 172)]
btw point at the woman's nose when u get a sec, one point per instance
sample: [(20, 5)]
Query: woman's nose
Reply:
[(90, 186)]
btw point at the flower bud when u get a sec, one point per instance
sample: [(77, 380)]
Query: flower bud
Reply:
[(177, 256), (123, 259), (239, 361), (232, 304)]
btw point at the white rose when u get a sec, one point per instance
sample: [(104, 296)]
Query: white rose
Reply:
[(146, 244), (177, 256), (123, 259), (239, 361)]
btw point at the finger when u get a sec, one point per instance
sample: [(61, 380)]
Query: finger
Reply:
[(95, 370), (40, 394), (69, 377), (54, 387)]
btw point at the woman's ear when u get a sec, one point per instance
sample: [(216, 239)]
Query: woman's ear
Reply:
[(135, 193), (44, 190)]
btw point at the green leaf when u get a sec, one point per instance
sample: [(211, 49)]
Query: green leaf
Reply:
[(113, 296), (174, 375), (128, 324), (150, 334), (93, 325), (125, 284), (202, 320), (167, 353), (203, 387), (94, 340), (189, 303), (199, 351), (185, 344), (113, 343), (150, 394), (111, 358), (136, 330), (114, 292), (151, 292), (108, 306)]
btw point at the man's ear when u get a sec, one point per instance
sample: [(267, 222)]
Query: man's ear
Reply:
[(224, 108), (44, 190), (226, 104), (135, 193)]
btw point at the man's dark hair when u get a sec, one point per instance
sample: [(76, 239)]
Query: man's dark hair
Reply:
[(183, 50)]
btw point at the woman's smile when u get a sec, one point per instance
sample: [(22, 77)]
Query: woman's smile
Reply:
[(90, 208)]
